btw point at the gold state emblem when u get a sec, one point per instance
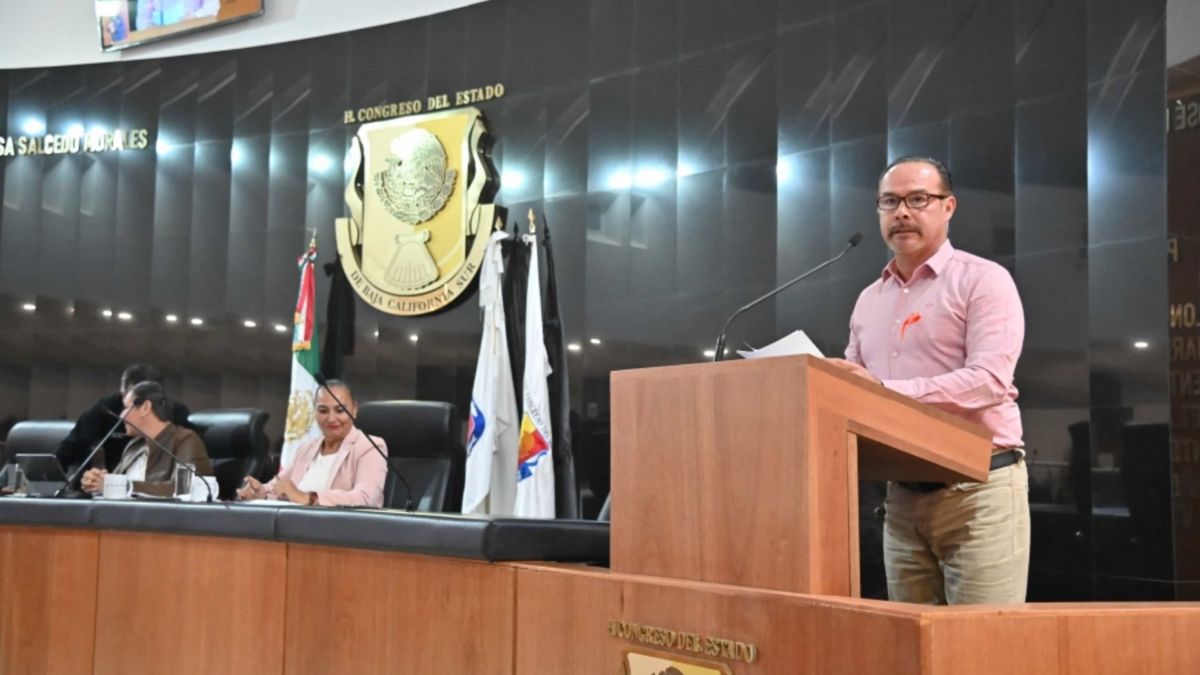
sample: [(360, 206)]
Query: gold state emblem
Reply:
[(416, 199), (300, 416)]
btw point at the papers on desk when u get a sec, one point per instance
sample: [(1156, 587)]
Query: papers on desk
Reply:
[(793, 344), (267, 502)]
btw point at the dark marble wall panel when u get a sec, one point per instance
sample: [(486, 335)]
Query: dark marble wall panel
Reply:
[(703, 26), (804, 212), (1048, 57), (928, 140), (1051, 174), (567, 116), (750, 208), (981, 152), (701, 120), (854, 176), (1124, 38), (920, 68), (747, 102), (858, 92), (559, 34), (1126, 192), (798, 12), (804, 99), (447, 52), (978, 28), (656, 31), (689, 156), (699, 253), (611, 43), (520, 150)]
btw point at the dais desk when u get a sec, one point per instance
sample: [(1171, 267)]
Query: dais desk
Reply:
[(137, 587), (109, 587)]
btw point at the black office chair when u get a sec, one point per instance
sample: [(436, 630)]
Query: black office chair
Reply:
[(236, 442), (423, 446), (35, 437), (606, 510)]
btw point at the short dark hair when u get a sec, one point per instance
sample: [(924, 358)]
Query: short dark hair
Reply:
[(344, 385), (943, 172), (139, 372), (153, 392)]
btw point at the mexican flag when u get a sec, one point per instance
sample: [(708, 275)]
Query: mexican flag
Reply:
[(306, 360)]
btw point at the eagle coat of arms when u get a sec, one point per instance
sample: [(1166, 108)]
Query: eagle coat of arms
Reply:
[(416, 197)]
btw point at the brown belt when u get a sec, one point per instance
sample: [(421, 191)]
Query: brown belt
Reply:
[(999, 461)]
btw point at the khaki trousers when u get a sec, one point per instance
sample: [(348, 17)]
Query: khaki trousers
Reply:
[(964, 544)]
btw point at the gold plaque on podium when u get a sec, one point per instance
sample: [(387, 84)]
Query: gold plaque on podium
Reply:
[(645, 663)]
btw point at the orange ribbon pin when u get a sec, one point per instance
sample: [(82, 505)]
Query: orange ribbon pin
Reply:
[(910, 320)]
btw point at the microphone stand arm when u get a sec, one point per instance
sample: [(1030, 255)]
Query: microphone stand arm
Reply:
[(719, 352)]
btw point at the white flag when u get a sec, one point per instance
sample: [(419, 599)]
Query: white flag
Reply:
[(491, 481), (306, 359), (535, 462)]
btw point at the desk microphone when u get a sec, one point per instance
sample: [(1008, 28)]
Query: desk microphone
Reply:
[(191, 469), (408, 502), (83, 466), (719, 353)]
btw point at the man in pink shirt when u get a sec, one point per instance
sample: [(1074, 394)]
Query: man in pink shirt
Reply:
[(945, 327)]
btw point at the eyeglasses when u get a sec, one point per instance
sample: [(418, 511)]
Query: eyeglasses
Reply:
[(915, 200)]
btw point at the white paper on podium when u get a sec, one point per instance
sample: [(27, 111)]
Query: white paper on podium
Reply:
[(792, 344)]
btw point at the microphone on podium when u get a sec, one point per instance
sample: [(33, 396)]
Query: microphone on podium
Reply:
[(408, 501), (719, 353), (83, 466)]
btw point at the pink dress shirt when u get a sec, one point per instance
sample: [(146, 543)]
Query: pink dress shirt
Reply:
[(949, 337)]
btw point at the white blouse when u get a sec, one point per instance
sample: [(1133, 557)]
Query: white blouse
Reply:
[(319, 474)]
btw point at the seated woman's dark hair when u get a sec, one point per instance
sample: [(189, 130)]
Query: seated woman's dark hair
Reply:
[(344, 386)]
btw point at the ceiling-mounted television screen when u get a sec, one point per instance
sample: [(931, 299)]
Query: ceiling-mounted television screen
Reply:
[(128, 23)]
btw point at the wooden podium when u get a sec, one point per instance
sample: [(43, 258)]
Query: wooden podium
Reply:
[(746, 472)]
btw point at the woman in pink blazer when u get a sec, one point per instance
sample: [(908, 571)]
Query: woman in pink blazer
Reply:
[(338, 469)]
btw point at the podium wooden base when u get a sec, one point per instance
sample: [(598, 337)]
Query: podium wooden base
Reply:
[(797, 634)]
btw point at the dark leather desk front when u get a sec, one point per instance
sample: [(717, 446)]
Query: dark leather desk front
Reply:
[(470, 537)]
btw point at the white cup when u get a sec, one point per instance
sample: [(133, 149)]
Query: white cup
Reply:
[(116, 486), (199, 494)]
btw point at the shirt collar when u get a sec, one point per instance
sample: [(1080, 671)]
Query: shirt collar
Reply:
[(936, 263)]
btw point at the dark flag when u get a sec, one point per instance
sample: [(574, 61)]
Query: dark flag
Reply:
[(339, 321), (566, 493), (516, 273)]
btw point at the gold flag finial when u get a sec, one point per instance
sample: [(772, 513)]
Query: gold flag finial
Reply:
[(532, 222)]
